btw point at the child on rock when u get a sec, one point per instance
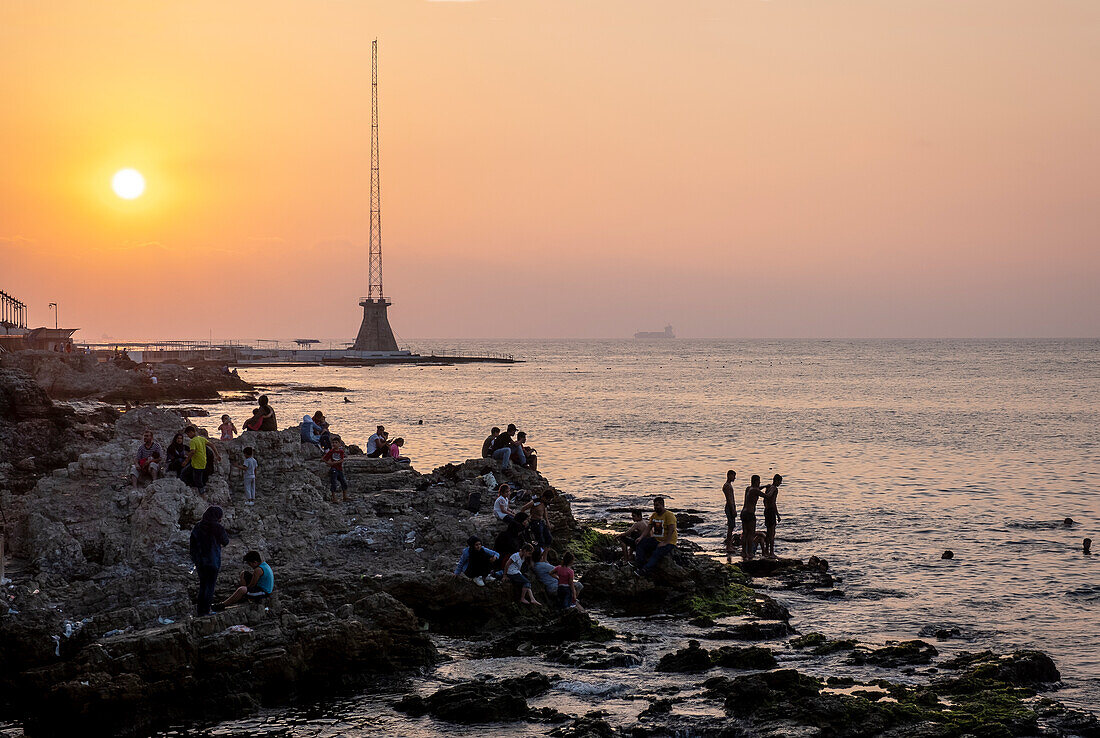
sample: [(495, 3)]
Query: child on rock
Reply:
[(514, 572)]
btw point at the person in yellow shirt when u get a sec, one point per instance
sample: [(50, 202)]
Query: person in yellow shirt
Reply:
[(194, 467), (661, 540)]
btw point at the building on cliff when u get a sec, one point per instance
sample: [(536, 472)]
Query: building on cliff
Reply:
[(16, 336)]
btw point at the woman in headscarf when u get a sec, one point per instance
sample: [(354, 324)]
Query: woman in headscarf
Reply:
[(177, 454), (207, 539)]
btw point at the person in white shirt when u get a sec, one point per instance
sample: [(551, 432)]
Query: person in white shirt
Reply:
[(514, 572), (375, 447), (500, 505), (249, 467)]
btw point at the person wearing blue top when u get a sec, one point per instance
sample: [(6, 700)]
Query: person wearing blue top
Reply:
[(311, 431), (257, 581), (476, 561), (207, 539)]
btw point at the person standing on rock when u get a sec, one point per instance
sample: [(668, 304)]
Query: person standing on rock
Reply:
[(731, 508), (771, 515), (207, 539), (148, 460), (194, 470), (748, 518), (267, 414), (334, 457), (661, 540)]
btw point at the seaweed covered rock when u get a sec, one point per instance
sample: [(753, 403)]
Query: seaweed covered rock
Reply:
[(682, 583), (893, 654)]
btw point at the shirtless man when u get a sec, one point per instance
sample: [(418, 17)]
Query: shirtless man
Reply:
[(731, 508), (771, 515), (748, 518), (638, 530)]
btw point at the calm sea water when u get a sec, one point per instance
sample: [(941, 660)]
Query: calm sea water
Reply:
[(892, 451)]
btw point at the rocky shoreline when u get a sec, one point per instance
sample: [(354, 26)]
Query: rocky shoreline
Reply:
[(96, 631)]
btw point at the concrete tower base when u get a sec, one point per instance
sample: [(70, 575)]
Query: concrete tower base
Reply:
[(375, 333)]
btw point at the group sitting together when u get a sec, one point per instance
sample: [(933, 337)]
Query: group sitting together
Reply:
[(380, 446), (646, 542), (192, 459), (557, 578), (508, 448)]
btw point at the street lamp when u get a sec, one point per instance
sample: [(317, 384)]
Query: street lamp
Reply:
[(53, 306)]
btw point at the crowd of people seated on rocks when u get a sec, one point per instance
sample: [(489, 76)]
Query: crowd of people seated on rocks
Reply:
[(509, 448), (556, 577)]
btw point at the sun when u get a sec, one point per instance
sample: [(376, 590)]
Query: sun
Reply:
[(128, 183)]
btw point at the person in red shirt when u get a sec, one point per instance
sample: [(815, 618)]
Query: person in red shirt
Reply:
[(567, 589), (334, 457)]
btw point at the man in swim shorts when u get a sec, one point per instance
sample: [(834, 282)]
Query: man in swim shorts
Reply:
[(748, 518), (730, 507), (771, 515)]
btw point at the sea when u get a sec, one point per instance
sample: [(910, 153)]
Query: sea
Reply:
[(891, 452)]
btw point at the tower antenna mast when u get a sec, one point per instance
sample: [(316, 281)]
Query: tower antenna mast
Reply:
[(374, 269), (375, 333)]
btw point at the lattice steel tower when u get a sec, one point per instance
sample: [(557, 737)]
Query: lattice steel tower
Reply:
[(375, 333)]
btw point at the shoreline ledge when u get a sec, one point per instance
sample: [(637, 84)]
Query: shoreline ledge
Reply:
[(97, 635)]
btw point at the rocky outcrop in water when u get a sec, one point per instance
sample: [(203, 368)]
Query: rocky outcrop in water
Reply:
[(97, 636), (79, 376)]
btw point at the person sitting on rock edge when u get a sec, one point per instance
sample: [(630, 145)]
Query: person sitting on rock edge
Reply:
[(395, 451), (501, 508), (256, 421), (662, 538), (514, 572), (334, 457), (147, 461), (487, 446), (376, 444), (256, 582), (476, 562), (268, 413), (177, 454), (629, 538), (310, 431), (567, 591)]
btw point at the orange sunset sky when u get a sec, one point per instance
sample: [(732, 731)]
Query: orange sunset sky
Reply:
[(556, 168)]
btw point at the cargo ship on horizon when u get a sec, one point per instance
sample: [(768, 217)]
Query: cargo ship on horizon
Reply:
[(666, 334)]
